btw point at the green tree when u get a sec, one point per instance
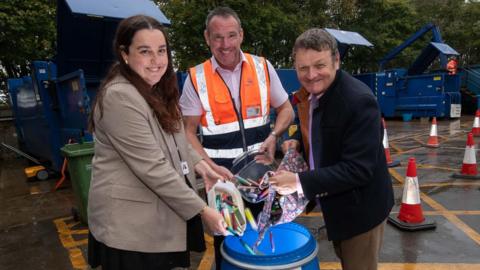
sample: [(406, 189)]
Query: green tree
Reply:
[(270, 28), (386, 24), (459, 23), (27, 32)]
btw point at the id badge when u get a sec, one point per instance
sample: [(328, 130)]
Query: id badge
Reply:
[(253, 111), (185, 169)]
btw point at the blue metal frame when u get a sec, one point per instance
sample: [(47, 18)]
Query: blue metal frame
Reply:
[(436, 37), (414, 91)]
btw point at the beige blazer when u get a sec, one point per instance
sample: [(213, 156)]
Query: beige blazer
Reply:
[(139, 199)]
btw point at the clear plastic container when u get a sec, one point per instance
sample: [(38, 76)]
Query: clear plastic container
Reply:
[(249, 176)]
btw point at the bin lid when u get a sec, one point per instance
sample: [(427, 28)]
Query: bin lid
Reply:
[(117, 9), (293, 242), (77, 149)]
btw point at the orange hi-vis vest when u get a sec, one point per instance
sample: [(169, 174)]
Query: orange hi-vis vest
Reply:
[(227, 132)]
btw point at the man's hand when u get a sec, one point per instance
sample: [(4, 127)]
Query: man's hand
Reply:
[(284, 181), (267, 150), (287, 144)]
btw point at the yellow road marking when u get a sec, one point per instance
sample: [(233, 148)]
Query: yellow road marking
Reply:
[(75, 254), (409, 266), (209, 256), (395, 147), (428, 266), (395, 175), (419, 141), (455, 212), (445, 184), (475, 236), (426, 166), (406, 137), (426, 213), (76, 257), (411, 150), (312, 214), (330, 265), (83, 231), (399, 178)]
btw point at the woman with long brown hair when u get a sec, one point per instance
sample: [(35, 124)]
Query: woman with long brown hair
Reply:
[(143, 209)]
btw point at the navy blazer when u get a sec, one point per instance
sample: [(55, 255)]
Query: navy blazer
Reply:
[(351, 178)]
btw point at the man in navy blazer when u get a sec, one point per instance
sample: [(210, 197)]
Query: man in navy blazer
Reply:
[(341, 136)]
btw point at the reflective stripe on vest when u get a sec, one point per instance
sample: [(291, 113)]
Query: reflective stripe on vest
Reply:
[(229, 153), (201, 88)]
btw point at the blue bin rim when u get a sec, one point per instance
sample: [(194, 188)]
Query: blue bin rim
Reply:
[(292, 259)]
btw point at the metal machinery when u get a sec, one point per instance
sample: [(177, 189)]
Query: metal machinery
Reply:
[(51, 107), (470, 88), (414, 92), (471, 78)]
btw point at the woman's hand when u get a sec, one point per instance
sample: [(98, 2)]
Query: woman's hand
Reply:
[(225, 173), (210, 177), (214, 221)]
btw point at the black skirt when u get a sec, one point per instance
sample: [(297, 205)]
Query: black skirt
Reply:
[(110, 258)]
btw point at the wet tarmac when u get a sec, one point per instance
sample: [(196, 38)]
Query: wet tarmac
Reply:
[(38, 231)]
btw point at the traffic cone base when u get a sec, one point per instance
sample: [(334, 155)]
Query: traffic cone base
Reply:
[(433, 142), (427, 224), (391, 163), (394, 163), (410, 216), (465, 176)]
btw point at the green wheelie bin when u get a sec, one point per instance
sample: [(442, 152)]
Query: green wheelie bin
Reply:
[(79, 158)]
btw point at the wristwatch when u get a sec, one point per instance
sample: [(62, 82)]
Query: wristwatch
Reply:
[(274, 134)]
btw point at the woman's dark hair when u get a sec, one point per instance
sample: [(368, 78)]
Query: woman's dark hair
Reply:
[(163, 96)]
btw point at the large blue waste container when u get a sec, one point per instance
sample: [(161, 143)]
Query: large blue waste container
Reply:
[(295, 248)]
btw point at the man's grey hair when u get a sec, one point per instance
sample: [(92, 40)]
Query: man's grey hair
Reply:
[(223, 12), (315, 39)]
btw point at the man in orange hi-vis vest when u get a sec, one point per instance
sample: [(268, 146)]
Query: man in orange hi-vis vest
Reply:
[(229, 97), (452, 66)]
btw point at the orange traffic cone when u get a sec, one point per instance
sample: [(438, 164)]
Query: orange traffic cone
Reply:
[(469, 166), (476, 124), (433, 138), (386, 146), (411, 217)]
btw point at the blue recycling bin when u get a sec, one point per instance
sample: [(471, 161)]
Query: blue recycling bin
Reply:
[(295, 248)]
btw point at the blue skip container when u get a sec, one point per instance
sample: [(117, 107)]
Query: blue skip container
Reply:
[(295, 248)]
